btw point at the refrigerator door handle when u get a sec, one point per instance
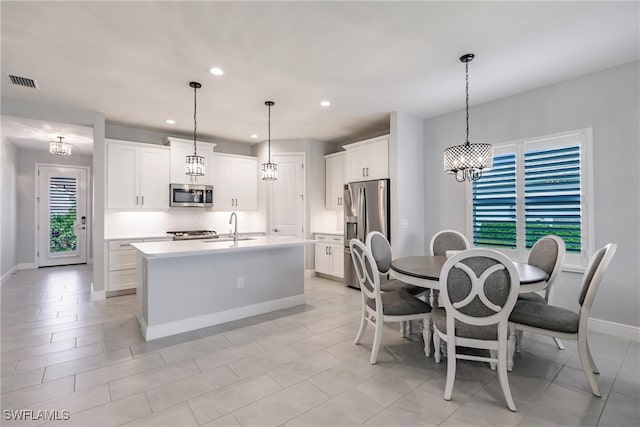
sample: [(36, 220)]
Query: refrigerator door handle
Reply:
[(362, 219)]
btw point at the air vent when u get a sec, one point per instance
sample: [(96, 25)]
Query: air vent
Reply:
[(23, 81)]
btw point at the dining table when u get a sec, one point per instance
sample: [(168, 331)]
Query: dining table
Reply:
[(424, 271)]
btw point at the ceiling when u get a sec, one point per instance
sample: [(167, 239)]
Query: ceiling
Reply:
[(36, 134), (133, 61)]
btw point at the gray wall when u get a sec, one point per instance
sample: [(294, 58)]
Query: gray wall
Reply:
[(608, 102), (406, 170), (26, 166), (151, 136), (8, 218)]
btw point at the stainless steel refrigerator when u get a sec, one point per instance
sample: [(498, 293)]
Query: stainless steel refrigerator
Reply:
[(366, 208)]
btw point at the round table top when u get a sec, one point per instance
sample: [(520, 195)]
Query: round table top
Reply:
[(428, 267)]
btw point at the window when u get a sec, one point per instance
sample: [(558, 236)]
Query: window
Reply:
[(536, 187)]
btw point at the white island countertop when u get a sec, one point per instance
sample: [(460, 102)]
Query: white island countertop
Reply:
[(170, 249)]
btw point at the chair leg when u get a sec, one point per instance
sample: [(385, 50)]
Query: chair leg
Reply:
[(594, 368), (403, 329), (494, 355), (409, 327), (511, 348), (451, 370), (503, 377), (426, 335), (583, 352), (363, 326), (377, 337), (437, 352), (518, 340), (558, 343)]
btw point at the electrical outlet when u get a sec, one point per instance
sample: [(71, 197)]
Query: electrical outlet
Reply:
[(240, 282)]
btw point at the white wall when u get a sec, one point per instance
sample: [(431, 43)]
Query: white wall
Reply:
[(8, 218), (608, 102), (406, 170), (26, 166)]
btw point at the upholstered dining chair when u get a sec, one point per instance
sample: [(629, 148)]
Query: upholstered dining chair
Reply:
[(380, 248), (559, 322), (478, 289), (379, 307), (548, 255), (446, 240)]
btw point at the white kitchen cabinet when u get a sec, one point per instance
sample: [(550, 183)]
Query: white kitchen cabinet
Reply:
[(334, 180), (122, 264), (368, 160), (235, 182), (180, 149), (137, 176), (329, 255)]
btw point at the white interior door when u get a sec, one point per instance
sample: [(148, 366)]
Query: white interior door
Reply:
[(62, 215), (288, 196)]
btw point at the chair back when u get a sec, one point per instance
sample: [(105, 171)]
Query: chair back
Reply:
[(448, 240), (380, 248), (598, 265), (548, 254), (479, 287), (366, 269)]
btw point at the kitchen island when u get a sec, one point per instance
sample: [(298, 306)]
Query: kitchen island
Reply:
[(188, 285)]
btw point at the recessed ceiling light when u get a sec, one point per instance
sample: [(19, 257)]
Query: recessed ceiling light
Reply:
[(216, 71), (325, 103), (170, 121), (253, 135)]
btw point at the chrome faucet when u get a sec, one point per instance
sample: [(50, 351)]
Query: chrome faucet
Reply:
[(235, 232)]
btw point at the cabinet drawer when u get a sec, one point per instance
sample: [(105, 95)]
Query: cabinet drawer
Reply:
[(322, 238), (122, 245), (337, 239), (122, 260), (124, 279)]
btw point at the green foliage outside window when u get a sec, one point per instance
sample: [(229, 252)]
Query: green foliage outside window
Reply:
[(63, 237)]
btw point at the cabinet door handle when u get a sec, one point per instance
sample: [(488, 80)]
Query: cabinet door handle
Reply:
[(236, 202), (329, 250), (367, 171), (362, 171), (142, 200), (231, 202), (136, 200)]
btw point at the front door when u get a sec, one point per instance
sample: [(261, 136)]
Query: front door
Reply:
[(288, 196), (62, 215)]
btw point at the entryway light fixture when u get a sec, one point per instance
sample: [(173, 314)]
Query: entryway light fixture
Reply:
[(60, 147), (467, 161), (269, 170), (194, 164)]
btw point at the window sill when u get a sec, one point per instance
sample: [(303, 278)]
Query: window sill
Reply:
[(574, 268)]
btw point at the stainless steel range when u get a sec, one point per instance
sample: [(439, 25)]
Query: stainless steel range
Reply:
[(193, 234)]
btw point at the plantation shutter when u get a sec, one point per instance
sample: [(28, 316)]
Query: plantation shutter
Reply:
[(494, 204), (552, 190)]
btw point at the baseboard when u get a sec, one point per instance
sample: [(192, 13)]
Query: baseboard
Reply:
[(6, 275), (309, 273), (27, 266), (171, 328), (619, 330), (97, 295)]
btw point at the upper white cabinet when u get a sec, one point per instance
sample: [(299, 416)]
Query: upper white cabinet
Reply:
[(137, 176), (368, 160), (180, 148), (334, 177), (235, 182)]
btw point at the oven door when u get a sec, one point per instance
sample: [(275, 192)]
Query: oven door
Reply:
[(186, 195)]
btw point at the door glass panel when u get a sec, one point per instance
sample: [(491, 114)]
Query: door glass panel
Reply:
[(63, 204)]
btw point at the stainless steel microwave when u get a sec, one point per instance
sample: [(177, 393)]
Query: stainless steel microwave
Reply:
[(190, 195)]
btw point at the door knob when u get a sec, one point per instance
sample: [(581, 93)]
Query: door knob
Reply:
[(276, 230)]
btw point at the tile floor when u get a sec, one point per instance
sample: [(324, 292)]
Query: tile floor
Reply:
[(295, 367)]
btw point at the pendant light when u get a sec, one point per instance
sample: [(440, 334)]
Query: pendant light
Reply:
[(194, 165), (468, 160), (269, 170), (60, 147)]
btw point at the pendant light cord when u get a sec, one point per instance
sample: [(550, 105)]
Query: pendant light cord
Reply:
[(269, 121), (195, 122), (466, 70)]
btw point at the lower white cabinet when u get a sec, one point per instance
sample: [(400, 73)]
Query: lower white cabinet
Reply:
[(122, 263), (330, 255)]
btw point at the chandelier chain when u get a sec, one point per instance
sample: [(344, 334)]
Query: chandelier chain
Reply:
[(195, 121), (466, 70), (269, 122)]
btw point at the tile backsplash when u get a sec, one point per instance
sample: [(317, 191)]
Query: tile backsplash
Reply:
[(132, 224)]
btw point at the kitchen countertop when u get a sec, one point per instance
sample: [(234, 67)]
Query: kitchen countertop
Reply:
[(170, 237), (330, 233), (169, 249)]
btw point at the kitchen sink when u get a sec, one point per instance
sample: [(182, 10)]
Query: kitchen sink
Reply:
[(227, 239)]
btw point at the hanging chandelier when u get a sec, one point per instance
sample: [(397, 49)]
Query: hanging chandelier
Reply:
[(468, 160), (194, 165), (269, 170), (60, 147)]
